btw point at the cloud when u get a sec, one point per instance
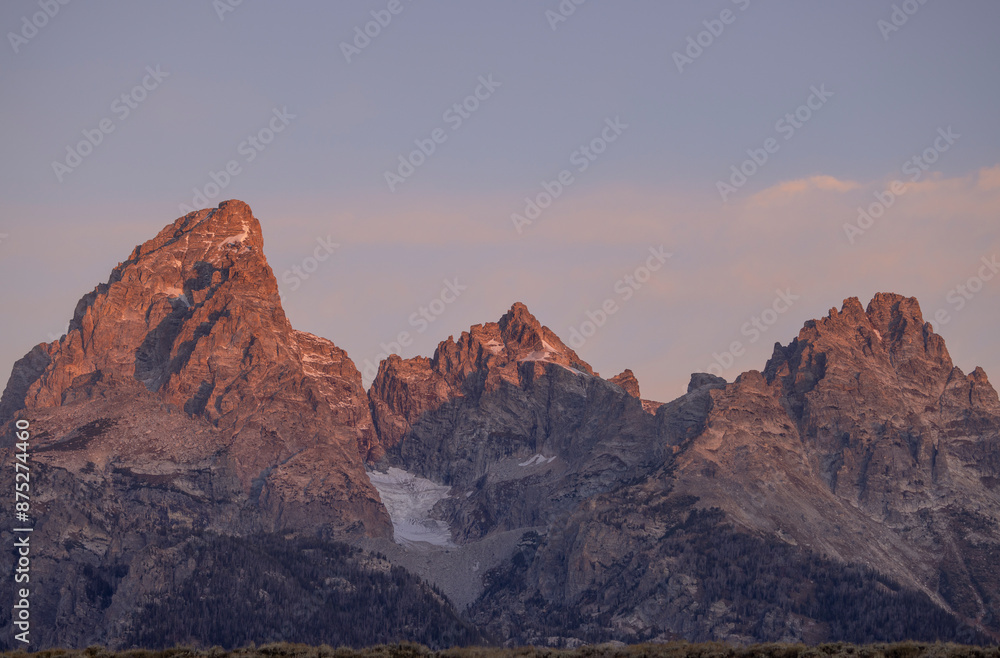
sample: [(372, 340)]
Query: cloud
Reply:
[(783, 192), (989, 179)]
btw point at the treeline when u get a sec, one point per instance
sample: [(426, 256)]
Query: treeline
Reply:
[(272, 589)]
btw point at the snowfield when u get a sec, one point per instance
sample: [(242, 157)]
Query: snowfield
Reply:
[(537, 460), (409, 500)]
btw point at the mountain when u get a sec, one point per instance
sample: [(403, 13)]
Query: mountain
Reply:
[(513, 421), (874, 447), (191, 324), (848, 492), (861, 465), (181, 404), (204, 473)]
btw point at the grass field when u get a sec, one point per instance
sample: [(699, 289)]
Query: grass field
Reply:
[(669, 650)]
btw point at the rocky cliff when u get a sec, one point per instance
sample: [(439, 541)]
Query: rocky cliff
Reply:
[(859, 470), (181, 401), (861, 440), (514, 421), (189, 444)]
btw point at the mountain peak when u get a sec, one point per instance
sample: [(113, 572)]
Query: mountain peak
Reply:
[(891, 323), (192, 322), (484, 358), (886, 347), (526, 339), (628, 382), (851, 309), (892, 314), (497, 347), (518, 325), (519, 310), (207, 235), (171, 304)]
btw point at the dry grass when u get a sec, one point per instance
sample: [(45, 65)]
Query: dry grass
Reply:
[(669, 650)]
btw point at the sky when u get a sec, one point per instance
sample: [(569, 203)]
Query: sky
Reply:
[(671, 187)]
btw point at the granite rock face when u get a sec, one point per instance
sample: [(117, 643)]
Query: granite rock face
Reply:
[(862, 440), (628, 383), (181, 401), (514, 421), (861, 460), (903, 438), (194, 316), (848, 491)]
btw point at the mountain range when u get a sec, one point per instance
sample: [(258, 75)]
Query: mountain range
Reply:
[(203, 473)]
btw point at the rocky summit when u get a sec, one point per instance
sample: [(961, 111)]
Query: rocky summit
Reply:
[(203, 473), (181, 402), (848, 491)]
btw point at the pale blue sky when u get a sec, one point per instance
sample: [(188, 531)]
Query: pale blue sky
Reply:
[(324, 175)]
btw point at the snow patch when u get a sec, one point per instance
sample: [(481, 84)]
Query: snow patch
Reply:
[(409, 500), (236, 239), (544, 358), (494, 346), (537, 460), (174, 293), (537, 356), (543, 354)]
